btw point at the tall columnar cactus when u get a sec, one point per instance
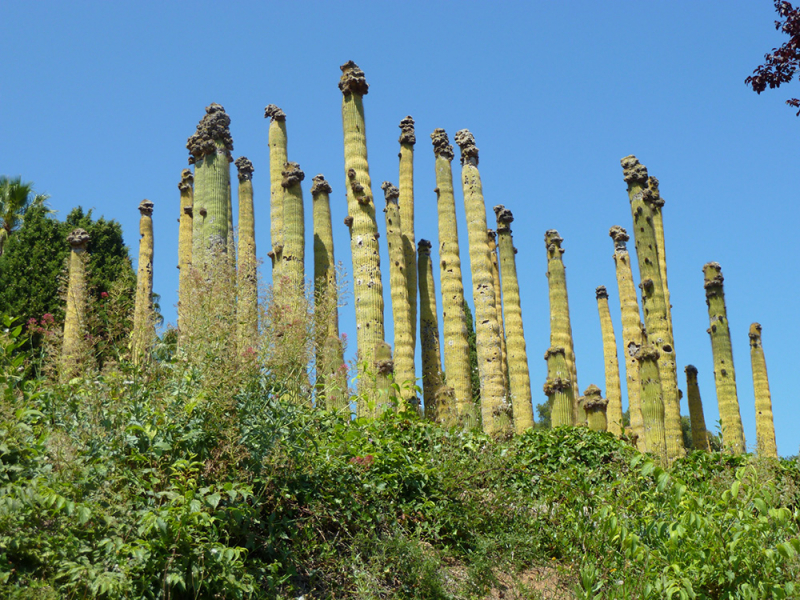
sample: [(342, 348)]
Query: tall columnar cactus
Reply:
[(456, 341), (210, 146), (696, 417), (518, 374), (724, 374), (294, 236), (596, 408), (495, 409), (278, 157), (185, 246), (558, 387), (247, 273), (367, 282), (613, 388), (498, 295), (231, 236), (765, 426), (401, 306), (383, 393), (652, 400), (143, 323), (560, 327), (73, 349), (331, 370), (656, 203), (407, 140), (632, 328), (436, 409), (655, 308)]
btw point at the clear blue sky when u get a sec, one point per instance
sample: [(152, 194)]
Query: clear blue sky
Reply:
[(99, 98)]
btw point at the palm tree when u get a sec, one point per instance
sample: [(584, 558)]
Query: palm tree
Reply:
[(15, 199)]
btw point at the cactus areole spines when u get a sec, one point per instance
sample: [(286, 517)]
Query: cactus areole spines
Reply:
[(401, 308), (518, 373), (656, 318), (367, 282), (247, 275), (277, 159), (293, 224), (696, 417), (406, 183), (560, 326), (495, 408), (724, 374), (765, 426), (613, 388)]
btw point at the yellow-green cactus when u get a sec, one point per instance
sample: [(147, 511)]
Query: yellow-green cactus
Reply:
[(436, 406), (278, 157), (456, 341), (518, 375), (184, 246), (294, 237), (495, 408), (595, 407), (652, 401), (143, 323), (231, 236), (560, 326), (331, 369), (211, 146), (724, 373), (696, 417), (367, 282), (656, 319), (558, 387), (407, 140), (656, 203), (247, 272), (632, 328), (765, 426), (498, 294), (73, 349), (382, 397), (613, 388), (401, 307)]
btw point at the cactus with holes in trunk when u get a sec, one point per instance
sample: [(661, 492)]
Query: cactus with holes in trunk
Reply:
[(278, 157), (247, 272), (73, 346), (696, 417), (184, 246), (144, 332), (652, 401), (613, 388), (765, 426), (518, 375), (294, 236), (656, 203)]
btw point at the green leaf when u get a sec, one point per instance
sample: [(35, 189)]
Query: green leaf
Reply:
[(213, 499)]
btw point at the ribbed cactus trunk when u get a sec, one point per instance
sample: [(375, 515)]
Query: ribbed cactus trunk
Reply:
[(185, 248), (765, 426), (367, 282), (558, 387), (632, 337), (656, 319), (595, 407), (231, 234), (456, 340), (613, 387), (278, 157), (495, 409), (247, 272), (384, 393), (518, 374), (560, 326), (331, 369), (656, 203), (724, 373), (401, 306), (652, 401), (436, 406), (73, 349), (407, 140), (696, 417), (143, 323), (491, 235), (294, 233)]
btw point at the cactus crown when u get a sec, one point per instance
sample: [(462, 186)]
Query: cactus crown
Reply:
[(553, 350), (424, 247), (78, 238), (712, 273), (601, 292), (633, 171), (390, 191), (691, 371), (492, 237), (213, 129), (441, 144), (553, 241), (186, 180), (646, 352), (653, 196), (407, 133), (620, 236), (146, 208), (274, 113), (504, 218), (755, 332), (244, 168), (353, 80), (592, 391), (292, 175), (320, 185), (466, 141)]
